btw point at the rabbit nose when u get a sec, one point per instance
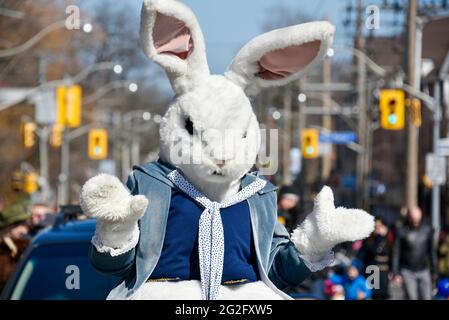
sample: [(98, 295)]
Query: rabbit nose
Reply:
[(220, 163)]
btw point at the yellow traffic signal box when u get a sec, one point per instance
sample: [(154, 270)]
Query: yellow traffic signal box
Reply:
[(392, 109), (69, 102), (61, 105), (57, 135), (31, 184), (98, 144), (310, 143), (29, 134)]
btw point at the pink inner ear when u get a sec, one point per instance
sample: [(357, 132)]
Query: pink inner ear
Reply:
[(171, 36), (282, 63)]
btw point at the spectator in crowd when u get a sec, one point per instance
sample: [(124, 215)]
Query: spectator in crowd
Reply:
[(333, 290), (355, 285), (414, 256), (13, 242), (288, 207), (19, 223), (42, 216), (376, 251), (443, 289), (352, 284)]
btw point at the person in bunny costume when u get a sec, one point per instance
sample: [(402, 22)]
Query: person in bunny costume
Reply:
[(197, 224)]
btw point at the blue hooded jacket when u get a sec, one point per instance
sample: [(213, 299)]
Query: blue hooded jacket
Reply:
[(278, 260)]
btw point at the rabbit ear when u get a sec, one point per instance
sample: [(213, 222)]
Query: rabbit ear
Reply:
[(172, 37), (281, 56)]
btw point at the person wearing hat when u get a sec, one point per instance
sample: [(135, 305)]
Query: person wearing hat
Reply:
[(288, 207)]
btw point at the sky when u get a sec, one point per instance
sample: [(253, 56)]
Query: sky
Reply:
[(229, 24)]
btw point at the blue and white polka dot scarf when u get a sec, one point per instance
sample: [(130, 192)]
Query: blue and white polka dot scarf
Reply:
[(210, 234)]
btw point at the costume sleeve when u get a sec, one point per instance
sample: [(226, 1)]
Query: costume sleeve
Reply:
[(116, 260), (118, 265), (288, 268)]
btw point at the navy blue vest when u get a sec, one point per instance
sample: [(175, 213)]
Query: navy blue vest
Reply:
[(179, 258)]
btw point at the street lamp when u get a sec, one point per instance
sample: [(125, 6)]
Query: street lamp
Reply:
[(41, 34), (12, 13), (276, 115), (146, 116), (133, 87), (118, 69), (101, 92), (302, 97), (53, 84), (87, 28), (157, 119), (361, 55), (131, 154)]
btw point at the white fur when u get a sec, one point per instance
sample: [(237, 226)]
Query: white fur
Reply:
[(217, 102), (245, 66), (105, 198), (216, 106), (116, 238), (191, 290), (184, 74), (220, 103), (328, 226)]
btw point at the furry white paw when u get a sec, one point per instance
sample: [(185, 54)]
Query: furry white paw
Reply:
[(104, 197), (328, 226)]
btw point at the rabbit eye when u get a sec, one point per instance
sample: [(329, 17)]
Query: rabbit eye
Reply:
[(245, 134), (189, 126)]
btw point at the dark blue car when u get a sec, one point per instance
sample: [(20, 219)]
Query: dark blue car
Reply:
[(56, 264)]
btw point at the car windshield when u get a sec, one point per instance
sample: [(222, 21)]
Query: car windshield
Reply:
[(61, 272)]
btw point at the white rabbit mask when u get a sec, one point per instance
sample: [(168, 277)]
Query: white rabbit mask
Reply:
[(210, 132)]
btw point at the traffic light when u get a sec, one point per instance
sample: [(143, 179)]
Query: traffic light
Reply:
[(57, 135), (31, 184), (73, 110), (61, 105), (69, 102), (29, 134), (392, 109), (98, 144), (310, 143), (414, 106)]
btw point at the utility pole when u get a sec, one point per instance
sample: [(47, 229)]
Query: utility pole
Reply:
[(64, 183), (302, 123), (117, 144), (411, 196), (286, 135), (135, 151), (126, 159), (361, 104), (436, 223), (43, 154), (43, 133), (64, 175), (302, 116), (327, 118)]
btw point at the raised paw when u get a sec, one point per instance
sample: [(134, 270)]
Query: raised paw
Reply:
[(340, 224), (105, 197)]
